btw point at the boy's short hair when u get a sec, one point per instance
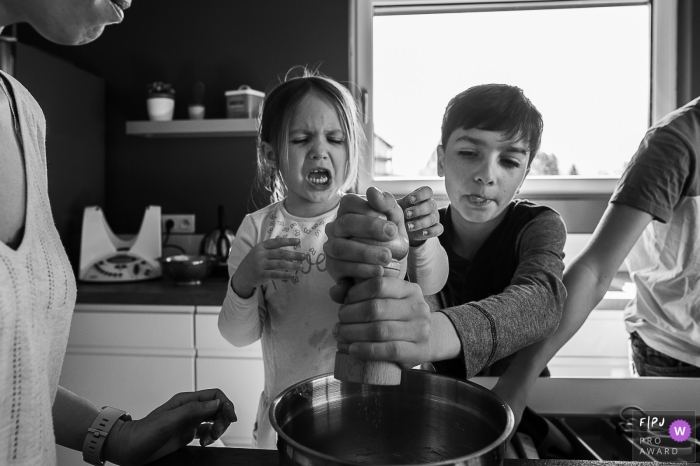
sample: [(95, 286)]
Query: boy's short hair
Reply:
[(495, 107)]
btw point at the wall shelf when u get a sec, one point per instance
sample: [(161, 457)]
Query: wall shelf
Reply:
[(227, 127)]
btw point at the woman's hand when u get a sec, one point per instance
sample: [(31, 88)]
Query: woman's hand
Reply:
[(267, 261), (203, 414), (363, 238), (421, 216), (385, 319)]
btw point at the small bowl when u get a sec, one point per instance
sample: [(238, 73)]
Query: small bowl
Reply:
[(188, 269)]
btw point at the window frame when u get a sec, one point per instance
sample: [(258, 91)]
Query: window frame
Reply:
[(664, 32)]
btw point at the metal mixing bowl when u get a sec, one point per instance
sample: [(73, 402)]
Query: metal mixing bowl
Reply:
[(429, 419), (188, 269)]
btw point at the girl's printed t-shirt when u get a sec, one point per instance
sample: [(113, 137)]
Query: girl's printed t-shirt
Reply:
[(294, 317)]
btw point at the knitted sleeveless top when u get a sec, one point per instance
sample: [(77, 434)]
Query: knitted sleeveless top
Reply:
[(37, 296)]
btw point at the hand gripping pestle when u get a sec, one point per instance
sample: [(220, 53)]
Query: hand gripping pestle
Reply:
[(350, 369)]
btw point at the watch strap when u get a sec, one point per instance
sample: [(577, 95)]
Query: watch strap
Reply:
[(97, 434)]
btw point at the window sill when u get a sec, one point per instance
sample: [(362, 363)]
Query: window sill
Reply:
[(535, 186)]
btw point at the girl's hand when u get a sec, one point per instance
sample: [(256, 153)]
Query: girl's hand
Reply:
[(267, 261), (421, 215), (205, 414)]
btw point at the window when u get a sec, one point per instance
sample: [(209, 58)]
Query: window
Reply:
[(600, 72)]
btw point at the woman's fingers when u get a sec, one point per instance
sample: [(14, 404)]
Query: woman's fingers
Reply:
[(356, 251), (362, 226)]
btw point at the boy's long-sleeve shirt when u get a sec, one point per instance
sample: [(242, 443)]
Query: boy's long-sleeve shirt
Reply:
[(510, 294), (295, 317)]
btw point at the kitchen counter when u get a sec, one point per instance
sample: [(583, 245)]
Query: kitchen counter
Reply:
[(212, 292), (196, 456), (161, 291)]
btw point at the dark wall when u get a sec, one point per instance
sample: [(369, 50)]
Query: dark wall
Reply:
[(223, 43), (226, 43), (73, 102)]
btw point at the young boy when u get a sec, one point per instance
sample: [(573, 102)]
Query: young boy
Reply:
[(505, 254), (504, 289)]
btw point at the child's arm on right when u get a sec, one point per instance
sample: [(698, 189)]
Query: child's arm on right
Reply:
[(428, 265)]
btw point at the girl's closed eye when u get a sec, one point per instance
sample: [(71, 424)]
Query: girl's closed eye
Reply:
[(335, 138)]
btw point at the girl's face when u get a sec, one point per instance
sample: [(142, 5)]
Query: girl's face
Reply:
[(483, 172), (316, 163)]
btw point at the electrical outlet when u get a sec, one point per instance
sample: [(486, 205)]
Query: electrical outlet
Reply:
[(182, 223)]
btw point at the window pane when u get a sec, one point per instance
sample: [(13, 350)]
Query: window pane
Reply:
[(587, 70)]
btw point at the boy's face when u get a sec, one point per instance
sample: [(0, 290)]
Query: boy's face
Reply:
[(483, 172)]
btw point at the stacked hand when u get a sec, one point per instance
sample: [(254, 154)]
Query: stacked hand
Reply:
[(204, 414), (421, 214), (267, 261), (380, 318)]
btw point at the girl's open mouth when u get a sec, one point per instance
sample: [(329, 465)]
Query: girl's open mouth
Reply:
[(319, 177)]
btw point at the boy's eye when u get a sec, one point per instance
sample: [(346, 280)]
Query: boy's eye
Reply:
[(467, 153), (509, 163)]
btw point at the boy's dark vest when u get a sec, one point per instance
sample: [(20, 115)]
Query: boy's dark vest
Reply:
[(488, 273)]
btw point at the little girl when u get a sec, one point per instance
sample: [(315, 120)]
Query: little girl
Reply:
[(308, 151)]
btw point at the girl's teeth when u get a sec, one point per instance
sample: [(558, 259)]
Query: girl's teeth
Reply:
[(322, 180)]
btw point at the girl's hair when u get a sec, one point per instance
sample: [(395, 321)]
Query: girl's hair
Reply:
[(275, 117), (495, 107)]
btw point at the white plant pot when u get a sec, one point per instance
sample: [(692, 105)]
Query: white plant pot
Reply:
[(196, 112), (160, 108)]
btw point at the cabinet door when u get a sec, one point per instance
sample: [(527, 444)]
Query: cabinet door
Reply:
[(131, 359), (137, 384), (242, 380), (237, 371)]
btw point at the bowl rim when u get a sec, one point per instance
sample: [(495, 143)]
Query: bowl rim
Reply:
[(191, 259), (510, 422)]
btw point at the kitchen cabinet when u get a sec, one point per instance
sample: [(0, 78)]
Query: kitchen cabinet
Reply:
[(237, 371), (128, 356), (135, 357), (227, 127)]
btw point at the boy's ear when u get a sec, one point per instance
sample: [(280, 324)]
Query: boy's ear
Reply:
[(269, 153), (440, 160)]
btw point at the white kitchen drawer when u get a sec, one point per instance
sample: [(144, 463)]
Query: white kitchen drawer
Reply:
[(211, 344), (131, 330)]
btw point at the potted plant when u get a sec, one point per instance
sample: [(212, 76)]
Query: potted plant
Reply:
[(161, 101), (196, 107)]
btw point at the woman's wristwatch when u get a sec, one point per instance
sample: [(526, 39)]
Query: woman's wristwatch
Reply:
[(97, 434)]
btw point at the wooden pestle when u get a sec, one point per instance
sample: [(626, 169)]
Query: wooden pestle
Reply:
[(351, 369)]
